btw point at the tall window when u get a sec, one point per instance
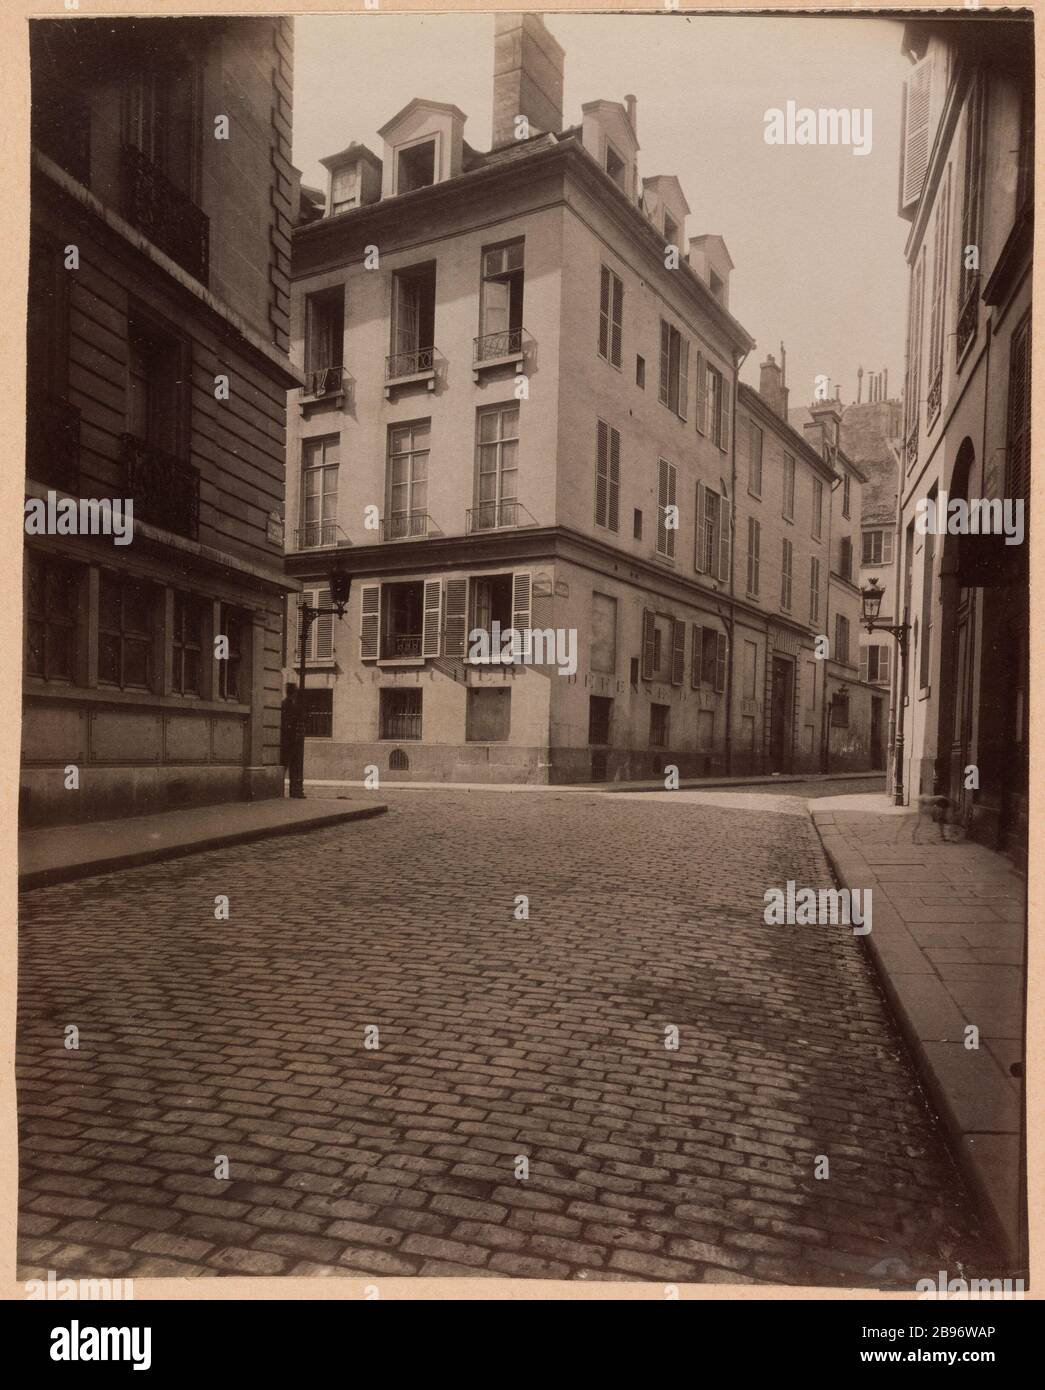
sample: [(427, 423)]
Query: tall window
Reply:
[(874, 663), (1017, 471), (845, 557), (712, 403), (926, 626), (972, 200), (497, 481), (841, 652), (126, 628), (754, 546), (607, 476), (818, 509), (319, 468), (754, 456), (413, 320), (161, 120), (789, 487), (786, 562), (187, 644), (401, 714), (501, 298), (913, 374), (667, 476), (941, 255), (51, 619), (674, 369), (157, 382), (345, 186), (324, 335), (814, 590), (847, 494), (877, 548), (712, 531), (231, 682), (415, 166), (611, 316), (408, 449)]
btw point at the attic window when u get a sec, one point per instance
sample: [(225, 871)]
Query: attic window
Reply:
[(344, 188), (716, 283), (671, 230), (415, 167), (615, 166)]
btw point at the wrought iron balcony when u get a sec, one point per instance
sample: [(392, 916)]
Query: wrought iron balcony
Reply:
[(315, 534), (165, 489), (325, 381), (493, 516), (401, 364), (968, 316), (52, 442), (400, 644), (511, 342), (164, 214), (406, 526), (935, 397), (911, 445)]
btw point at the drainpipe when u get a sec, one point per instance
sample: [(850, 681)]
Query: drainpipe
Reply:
[(825, 747), (738, 362), (896, 691)]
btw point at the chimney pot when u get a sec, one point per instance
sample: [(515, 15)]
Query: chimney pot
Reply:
[(632, 108)]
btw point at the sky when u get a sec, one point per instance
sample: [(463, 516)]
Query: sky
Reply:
[(812, 230)]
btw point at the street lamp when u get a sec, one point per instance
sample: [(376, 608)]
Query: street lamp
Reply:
[(339, 583), (871, 605)]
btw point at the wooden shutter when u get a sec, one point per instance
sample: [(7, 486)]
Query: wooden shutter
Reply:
[(720, 661), (698, 548), (522, 599), (694, 669), (725, 536), (323, 628), (864, 662), (456, 617), (433, 617), (684, 379), (649, 629), (883, 664), (617, 324), (604, 313), (1017, 482), (601, 471), (678, 651), (613, 494), (369, 622), (917, 93), (723, 414), (665, 359), (702, 394), (887, 547)]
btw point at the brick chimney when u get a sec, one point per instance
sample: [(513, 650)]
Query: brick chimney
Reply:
[(822, 430), (528, 69), (771, 386)]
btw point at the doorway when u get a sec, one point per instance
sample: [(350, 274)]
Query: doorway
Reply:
[(877, 749), (781, 707)]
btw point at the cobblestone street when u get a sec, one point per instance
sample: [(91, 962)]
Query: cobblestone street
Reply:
[(498, 1038)]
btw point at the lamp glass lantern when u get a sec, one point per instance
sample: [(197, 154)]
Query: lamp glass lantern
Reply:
[(871, 602)]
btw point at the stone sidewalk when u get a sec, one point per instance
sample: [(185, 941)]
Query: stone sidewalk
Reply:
[(948, 940), (59, 854)]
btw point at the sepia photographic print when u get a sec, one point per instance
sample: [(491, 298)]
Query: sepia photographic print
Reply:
[(525, 669)]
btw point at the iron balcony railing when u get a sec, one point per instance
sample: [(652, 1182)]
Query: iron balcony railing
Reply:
[(492, 516), (968, 317), (52, 442), (164, 214), (400, 644), (165, 489), (406, 526), (325, 381), (400, 364), (507, 343), (315, 534), (935, 397)]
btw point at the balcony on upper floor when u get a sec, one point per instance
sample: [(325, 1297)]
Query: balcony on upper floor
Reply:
[(408, 526), (319, 535), (497, 516), (411, 367), (507, 348)]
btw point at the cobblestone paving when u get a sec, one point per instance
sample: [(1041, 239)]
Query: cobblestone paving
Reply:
[(498, 1037)]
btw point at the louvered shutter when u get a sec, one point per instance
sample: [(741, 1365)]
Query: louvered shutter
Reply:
[(456, 617), (369, 621), (864, 662), (617, 325), (601, 471), (887, 548), (678, 651), (725, 536), (917, 94), (694, 667), (649, 630), (665, 359), (720, 661), (433, 617), (698, 547), (1017, 483), (323, 628), (613, 507), (723, 414), (883, 664), (604, 313), (684, 379), (702, 394), (522, 599)]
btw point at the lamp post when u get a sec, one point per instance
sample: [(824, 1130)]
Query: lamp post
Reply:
[(871, 606), (339, 583)]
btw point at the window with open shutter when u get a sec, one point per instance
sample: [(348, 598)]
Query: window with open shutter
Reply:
[(684, 379), (700, 558), (678, 651), (720, 661), (616, 320), (702, 394), (708, 650), (916, 114), (1017, 472), (607, 476), (665, 359), (723, 414), (941, 251), (456, 617), (614, 481), (725, 536), (522, 599), (433, 617), (694, 669), (863, 662), (666, 478), (649, 643), (369, 621), (321, 638)]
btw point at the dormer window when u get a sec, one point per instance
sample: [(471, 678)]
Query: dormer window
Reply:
[(717, 284), (345, 186), (671, 230), (615, 166), (415, 166)]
